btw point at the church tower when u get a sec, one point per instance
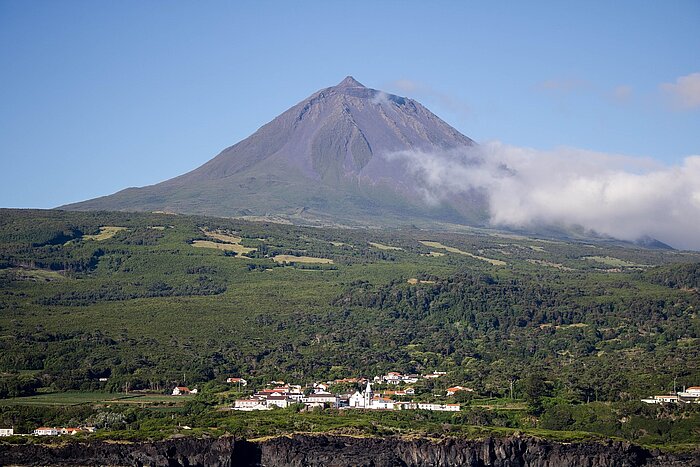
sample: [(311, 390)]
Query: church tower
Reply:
[(368, 395)]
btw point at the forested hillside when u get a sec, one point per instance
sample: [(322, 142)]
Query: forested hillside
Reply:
[(112, 301)]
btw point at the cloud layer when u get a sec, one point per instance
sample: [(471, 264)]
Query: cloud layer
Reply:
[(624, 197)]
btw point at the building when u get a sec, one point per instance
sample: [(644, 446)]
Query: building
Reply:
[(7, 431), (381, 403), (663, 399), (239, 381), (183, 391), (400, 392), (435, 374), (455, 389), (438, 407), (279, 401), (690, 395), (392, 377), (46, 431), (320, 399), (250, 404)]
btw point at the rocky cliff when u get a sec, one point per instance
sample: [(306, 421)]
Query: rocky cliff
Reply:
[(341, 451)]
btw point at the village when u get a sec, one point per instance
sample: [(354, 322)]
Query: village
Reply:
[(279, 394)]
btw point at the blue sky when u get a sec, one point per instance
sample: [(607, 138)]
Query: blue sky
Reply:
[(98, 96)]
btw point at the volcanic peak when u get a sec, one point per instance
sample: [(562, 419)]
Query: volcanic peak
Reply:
[(349, 82)]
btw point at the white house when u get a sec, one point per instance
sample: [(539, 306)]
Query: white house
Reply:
[(664, 399), (688, 396), (393, 377), (438, 407), (319, 399), (456, 389), (46, 431), (279, 401), (691, 394), (7, 431), (381, 403), (239, 381), (250, 404)]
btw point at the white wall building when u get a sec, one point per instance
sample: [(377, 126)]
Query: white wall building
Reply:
[(438, 407), (7, 431), (240, 381), (279, 401)]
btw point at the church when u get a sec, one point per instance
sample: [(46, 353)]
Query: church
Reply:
[(367, 400)]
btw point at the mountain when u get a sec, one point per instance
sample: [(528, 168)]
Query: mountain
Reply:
[(327, 158)]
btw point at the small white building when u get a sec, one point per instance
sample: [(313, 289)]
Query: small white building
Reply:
[(279, 401), (239, 381), (663, 399), (7, 431), (455, 389), (250, 404), (46, 431), (438, 407), (183, 391), (393, 377), (322, 397), (690, 395), (381, 403)]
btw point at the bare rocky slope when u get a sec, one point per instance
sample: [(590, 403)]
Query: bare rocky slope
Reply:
[(329, 157), (342, 451)]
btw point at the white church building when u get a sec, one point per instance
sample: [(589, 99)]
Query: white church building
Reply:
[(366, 400)]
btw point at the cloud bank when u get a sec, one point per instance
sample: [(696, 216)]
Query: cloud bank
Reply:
[(624, 197)]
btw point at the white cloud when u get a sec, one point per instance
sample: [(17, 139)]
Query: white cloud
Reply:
[(621, 196), (684, 94), (621, 94)]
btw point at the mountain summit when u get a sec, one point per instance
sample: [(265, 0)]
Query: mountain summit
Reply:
[(327, 158)]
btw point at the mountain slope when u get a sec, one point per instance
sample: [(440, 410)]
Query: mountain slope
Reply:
[(327, 157)]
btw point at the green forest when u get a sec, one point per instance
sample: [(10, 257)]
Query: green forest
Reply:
[(554, 336)]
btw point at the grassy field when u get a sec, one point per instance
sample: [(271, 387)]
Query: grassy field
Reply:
[(614, 262), (238, 249), (33, 275), (73, 398), (494, 262), (106, 232), (301, 259), (385, 247)]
